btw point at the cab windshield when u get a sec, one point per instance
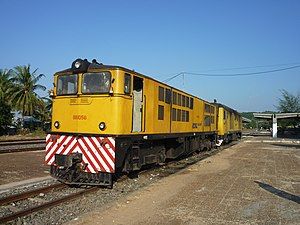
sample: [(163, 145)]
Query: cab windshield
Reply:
[(67, 84), (96, 82)]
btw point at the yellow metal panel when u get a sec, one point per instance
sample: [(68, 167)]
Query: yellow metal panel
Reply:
[(197, 122), (210, 113), (194, 123), (85, 118), (153, 125), (83, 113), (221, 122)]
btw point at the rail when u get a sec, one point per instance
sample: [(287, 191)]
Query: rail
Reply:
[(27, 194), (21, 142), (11, 150), (22, 145), (43, 206)]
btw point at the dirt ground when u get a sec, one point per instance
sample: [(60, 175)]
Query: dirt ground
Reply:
[(250, 183), (21, 166)]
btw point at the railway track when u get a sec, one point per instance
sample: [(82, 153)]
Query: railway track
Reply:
[(169, 168), (26, 149), (48, 204), (22, 145), (22, 141)]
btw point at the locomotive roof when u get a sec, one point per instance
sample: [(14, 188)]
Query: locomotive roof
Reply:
[(94, 66), (227, 108)]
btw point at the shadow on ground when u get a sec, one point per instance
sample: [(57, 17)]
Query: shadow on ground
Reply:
[(278, 192)]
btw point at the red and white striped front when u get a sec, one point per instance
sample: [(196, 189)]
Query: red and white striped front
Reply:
[(97, 152)]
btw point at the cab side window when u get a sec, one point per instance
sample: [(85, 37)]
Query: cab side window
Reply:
[(191, 103), (168, 96), (127, 83), (161, 94)]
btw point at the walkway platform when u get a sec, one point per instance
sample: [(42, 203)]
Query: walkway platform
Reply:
[(253, 182)]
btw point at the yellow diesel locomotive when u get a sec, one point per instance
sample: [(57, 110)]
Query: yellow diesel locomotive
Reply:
[(109, 119)]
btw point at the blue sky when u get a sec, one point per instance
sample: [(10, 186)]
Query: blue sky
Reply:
[(162, 38)]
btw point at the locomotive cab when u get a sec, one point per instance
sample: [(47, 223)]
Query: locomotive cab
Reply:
[(93, 99)]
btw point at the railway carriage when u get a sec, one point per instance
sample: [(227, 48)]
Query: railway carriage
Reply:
[(109, 119), (229, 124)]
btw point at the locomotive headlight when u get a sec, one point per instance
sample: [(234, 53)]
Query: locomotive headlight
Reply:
[(102, 126), (77, 64), (56, 124)]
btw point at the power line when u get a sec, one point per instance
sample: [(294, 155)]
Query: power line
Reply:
[(231, 75), (243, 74), (171, 78), (233, 68), (251, 67)]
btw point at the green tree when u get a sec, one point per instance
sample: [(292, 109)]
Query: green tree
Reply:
[(288, 103), (5, 84), (24, 96), (41, 111), (48, 101), (5, 115), (5, 107)]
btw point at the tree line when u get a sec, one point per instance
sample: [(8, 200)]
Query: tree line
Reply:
[(287, 103), (18, 92)]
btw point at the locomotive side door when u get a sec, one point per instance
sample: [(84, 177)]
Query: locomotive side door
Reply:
[(137, 109)]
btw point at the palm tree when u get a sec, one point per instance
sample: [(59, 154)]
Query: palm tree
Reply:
[(5, 107), (41, 111), (24, 96), (5, 84), (48, 101)]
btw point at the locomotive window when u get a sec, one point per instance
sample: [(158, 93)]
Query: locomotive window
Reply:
[(224, 115), (178, 115), (212, 110), (173, 114), (168, 96), (187, 116), (127, 83), (183, 101), (174, 94), (191, 103), (67, 84), (183, 115), (187, 101), (207, 108), (161, 94), (96, 82), (207, 121), (160, 112), (212, 120), (179, 99)]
